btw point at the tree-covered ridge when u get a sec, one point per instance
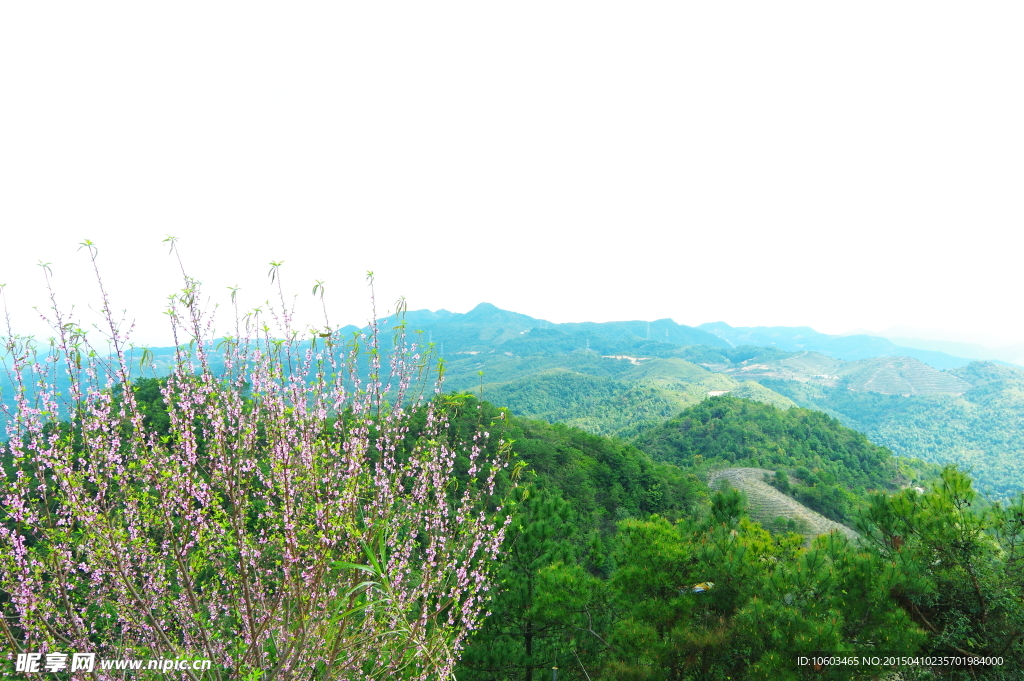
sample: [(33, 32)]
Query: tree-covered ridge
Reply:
[(487, 328), (596, 586), (981, 431), (564, 373), (608, 395), (824, 464), (743, 432), (603, 479)]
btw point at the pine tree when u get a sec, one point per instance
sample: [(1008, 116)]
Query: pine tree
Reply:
[(515, 640), (956, 568)]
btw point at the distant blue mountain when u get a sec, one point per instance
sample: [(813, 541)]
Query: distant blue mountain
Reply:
[(849, 348), (489, 329), (486, 327)]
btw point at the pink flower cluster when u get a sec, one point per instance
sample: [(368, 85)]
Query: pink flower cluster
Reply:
[(301, 516)]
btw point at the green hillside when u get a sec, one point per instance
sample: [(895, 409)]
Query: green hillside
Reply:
[(620, 378), (972, 416), (823, 464), (981, 430), (700, 591), (774, 509), (616, 395), (900, 376)]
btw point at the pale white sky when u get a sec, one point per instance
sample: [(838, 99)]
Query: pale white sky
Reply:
[(838, 165)]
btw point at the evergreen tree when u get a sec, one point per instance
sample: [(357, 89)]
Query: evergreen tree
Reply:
[(959, 569), (516, 640)]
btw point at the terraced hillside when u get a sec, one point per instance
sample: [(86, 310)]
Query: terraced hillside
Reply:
[(805, 366), (767, 503), (887, 375), (900, 376)]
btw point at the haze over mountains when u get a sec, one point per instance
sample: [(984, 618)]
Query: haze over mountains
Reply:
[(847, 347), (1013, 354), (621, 378), (973, 342), (486, 327)]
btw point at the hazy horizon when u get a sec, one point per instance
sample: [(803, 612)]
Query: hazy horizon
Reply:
[(838, 167)]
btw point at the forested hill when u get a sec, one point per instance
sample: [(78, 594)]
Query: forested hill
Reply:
[(594, 585), (980, 430), (823, 464), (970, 415), (619, 378), (620, 566), (740, 432), (616, 395)]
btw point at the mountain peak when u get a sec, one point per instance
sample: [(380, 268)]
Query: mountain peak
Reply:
[(487, 313)]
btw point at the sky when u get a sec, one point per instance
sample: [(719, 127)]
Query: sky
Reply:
[(836, 165)]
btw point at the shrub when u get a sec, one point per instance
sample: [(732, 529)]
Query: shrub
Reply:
[(284, 522)]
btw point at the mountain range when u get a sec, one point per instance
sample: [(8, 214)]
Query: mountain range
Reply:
[(486, 327), (623, 378), (619, 379)]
